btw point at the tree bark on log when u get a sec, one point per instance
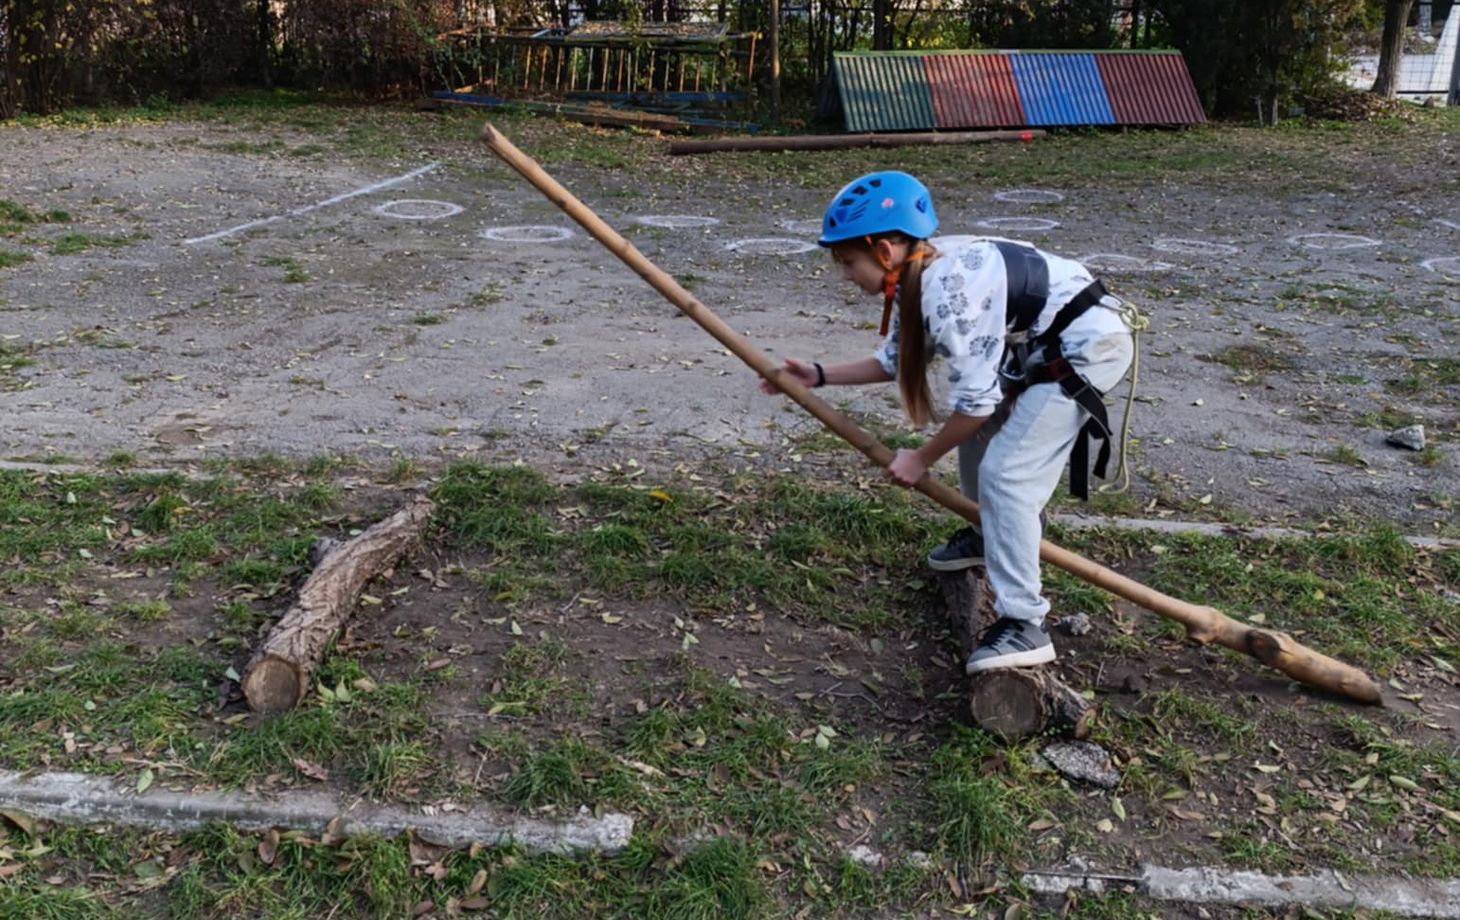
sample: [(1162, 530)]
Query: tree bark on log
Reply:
[(279, 674), (970, 605), (1016, 702)]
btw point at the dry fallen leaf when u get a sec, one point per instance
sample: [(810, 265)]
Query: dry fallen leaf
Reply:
[(311, 770)]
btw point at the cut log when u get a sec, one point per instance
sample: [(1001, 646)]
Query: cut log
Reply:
[(969, 602), (1013, 703), (1018, 702), (279, 674)]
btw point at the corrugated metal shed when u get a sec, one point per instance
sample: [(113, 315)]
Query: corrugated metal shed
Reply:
[(973, 91), (1150, 89), (884, 92), (951, 90), (1061, 89)]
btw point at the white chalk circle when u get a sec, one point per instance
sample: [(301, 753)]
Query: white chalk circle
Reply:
[(1332, 242), (1449, 266), (1193, 247), (770, 246), (529, 234), (1021, 224), (1112, 262), (418, 209), (801, 226), (1028, 196), (676, 221)]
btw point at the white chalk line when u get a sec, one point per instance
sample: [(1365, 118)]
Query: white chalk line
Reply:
[(1028, 196), (534, 233), (1449, 266), (1447, 223), (1333, 242), (676, 221), (801, 226), (770, 246), (383, 184), (1026, 224), (1187, 247), (407, 209), (1114, 262)]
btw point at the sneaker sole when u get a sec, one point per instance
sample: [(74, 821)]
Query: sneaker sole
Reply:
[(954, 565), (1042, 655)]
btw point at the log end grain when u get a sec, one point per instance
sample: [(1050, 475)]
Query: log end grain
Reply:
[(272, 685)]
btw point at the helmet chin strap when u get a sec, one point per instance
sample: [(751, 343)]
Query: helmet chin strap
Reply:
[(891, 277)]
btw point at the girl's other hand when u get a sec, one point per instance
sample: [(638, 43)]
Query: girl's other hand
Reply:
[(906, 468), (803, 371)]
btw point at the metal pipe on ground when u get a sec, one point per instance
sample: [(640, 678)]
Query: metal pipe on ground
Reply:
[(847, 141), (1203, 624)]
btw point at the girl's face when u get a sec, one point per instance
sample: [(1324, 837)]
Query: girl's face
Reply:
[(859, 263)]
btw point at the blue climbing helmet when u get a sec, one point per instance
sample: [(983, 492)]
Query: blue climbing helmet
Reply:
[(877, 203)]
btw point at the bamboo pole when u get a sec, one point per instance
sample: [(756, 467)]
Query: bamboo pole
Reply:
[(1203, 624)]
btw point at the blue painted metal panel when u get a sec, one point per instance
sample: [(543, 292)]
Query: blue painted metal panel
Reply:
[(884, 92), (1061, 89)]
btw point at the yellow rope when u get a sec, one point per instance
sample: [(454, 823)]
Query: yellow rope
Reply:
[(1137, 323)]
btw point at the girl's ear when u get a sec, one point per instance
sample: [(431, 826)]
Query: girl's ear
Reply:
[(884, 250)]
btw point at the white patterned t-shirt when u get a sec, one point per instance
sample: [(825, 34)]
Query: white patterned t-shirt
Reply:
[(965, 299)]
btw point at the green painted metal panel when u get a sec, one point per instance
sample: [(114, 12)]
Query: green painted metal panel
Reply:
[(884, 92)]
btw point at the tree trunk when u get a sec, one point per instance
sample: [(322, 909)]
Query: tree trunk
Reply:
[(279, 675), (882, 25), (265, 41), (1391, 47)]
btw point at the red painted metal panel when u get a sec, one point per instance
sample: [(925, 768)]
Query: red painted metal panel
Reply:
[(973, 91), (1150, 89)]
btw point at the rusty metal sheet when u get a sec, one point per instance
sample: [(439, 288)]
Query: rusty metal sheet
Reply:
[(1150, 88), (973, 90)]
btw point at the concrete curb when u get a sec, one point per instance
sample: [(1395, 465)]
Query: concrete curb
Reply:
[(75, 798), (1084, 522), (1211, 885)]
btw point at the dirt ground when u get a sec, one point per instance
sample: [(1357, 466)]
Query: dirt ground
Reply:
[(345, 330)]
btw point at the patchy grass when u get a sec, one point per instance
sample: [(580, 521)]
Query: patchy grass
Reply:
[(72, 243), (9, 258), (12, 359), (294, 272), (1254, 362), (511, 682)]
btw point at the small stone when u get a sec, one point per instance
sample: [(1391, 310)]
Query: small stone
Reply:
[(865, 856), (919, 860), (1076, 624), (1122, 680), (1083, 761), (1410, 436)]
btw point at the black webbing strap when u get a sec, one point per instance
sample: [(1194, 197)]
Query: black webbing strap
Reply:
[(1055, 368), (1072, 311), (1028, 279)]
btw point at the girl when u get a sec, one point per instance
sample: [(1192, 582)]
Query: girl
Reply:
[(1030, 341)]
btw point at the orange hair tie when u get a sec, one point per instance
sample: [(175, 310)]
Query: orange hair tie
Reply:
[(890, 279)]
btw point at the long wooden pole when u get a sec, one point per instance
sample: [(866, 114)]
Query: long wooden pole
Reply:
[(1203, 624), (843, 141)]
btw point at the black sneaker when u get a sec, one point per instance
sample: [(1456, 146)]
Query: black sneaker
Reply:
[(964, 550), (1010, 644)]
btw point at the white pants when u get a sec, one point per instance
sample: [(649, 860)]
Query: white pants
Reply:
[(1012, 469)]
